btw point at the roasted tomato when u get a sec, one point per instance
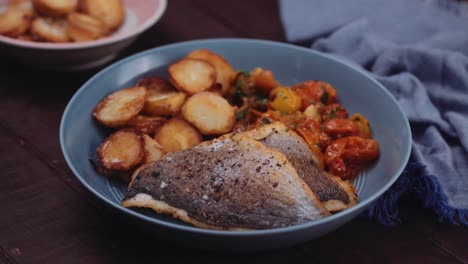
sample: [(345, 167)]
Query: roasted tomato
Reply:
[(263, 80), (312, 92), (338, 128), (346, 157), (313, 134), (363, 125), (333, 111)]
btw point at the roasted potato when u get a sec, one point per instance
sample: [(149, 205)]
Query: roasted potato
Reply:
[(192, 75), (13, 22), (163, 99), (210, 113), (153, 151), (55, 8), (121, 106), (224, 71), (82, 27), (177, 134), (110, 12), (155, 85), (50, 29), (122, 150), (25, 6), (145, 124)]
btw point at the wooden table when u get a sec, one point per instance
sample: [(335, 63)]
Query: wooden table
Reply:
[(48, 217)]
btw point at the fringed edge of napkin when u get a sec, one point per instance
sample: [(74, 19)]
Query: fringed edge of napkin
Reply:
[(417, 181)]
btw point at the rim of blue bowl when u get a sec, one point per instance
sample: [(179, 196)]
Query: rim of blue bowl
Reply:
[(198, 230)]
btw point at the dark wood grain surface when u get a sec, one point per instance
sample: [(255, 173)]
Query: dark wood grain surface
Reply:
[(48, 217)]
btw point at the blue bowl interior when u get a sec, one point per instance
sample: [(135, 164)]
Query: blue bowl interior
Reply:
[(80, 135)]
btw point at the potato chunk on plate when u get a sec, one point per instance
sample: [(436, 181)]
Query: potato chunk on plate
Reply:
[(122, 150), (153, 151), (163, 99), (210, 113), (177, 134), (224, 71), (192, 75), (121, 106)]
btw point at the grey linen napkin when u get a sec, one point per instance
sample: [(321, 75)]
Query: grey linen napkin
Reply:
[(418, 49)]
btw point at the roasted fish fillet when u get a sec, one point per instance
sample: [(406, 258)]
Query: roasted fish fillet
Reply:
[(332, 191), (226, 184)]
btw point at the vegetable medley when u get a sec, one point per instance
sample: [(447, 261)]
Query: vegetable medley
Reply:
[(204, 97)]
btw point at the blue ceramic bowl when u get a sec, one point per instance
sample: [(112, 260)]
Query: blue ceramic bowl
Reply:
[(80, 135)]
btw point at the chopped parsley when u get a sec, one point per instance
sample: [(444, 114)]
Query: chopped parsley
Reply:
[(325, 95), (332, 113), (240, 115)]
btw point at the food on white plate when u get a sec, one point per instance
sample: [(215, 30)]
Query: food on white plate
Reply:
[(122, 150), (59, 21), (110, 12), (177, 134), (192, 75), (226, 184), (210, 113), (13, 22), (55, 8), (118, 108), (83, 27), (163, 99), (224, 71), (229, 149), (50, 29)]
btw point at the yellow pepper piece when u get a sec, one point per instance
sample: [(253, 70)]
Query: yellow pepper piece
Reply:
[(363, 125), (285, 100)]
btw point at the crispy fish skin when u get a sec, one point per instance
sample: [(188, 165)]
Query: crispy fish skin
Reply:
[(226, 184), (333, 192)]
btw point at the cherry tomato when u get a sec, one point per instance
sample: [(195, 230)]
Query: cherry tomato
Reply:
[(338, 128), (312, 133), (312, 92), (333, 111), (264, 81), (346, 157)]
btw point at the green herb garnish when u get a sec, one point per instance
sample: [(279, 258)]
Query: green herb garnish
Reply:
[(325, 95), (155, 174), (240, 115), (332, 114)]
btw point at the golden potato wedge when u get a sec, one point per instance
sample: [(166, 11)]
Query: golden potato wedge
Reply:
[(54, 30), (224, 71), (121, 106), (163, 104), (155, 85), (177, 134), (13, 22), (192, 75), (163, 99), (82, 27), (210, 113), (25, 6), (55, 8), (110, 12), (153, 151), (122, 150), (145, 124)]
